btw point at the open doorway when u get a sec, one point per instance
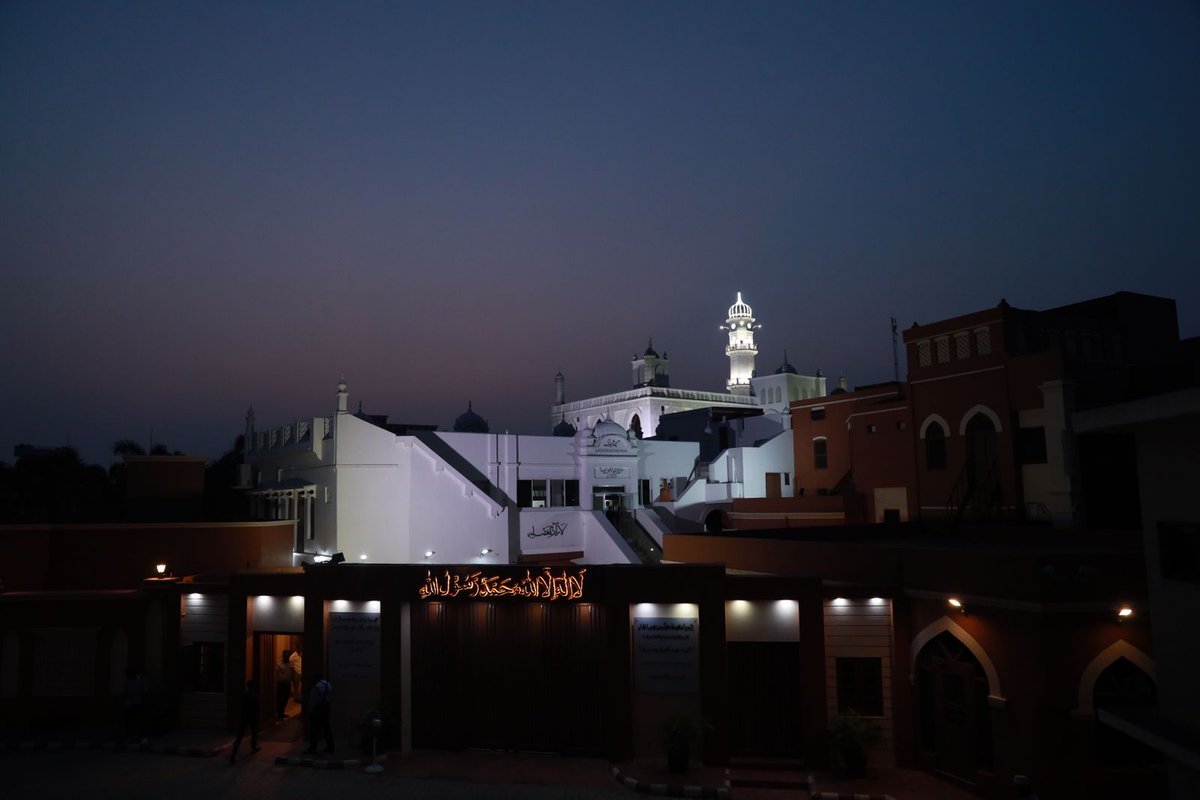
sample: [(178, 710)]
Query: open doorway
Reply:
[(278, 660), (610, 500)]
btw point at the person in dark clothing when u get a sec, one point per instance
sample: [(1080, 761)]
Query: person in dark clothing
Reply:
[(249, 719), (318, 715)]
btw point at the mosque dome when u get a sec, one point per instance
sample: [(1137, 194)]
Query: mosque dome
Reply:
[(606, 427), (785, 368), (740, 308), (470, 422), (563, 428)]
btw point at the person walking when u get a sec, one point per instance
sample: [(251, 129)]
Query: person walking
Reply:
[(318, 715), (283, 684), (249, 721)]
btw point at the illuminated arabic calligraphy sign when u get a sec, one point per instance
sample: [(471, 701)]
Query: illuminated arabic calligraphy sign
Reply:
[(544, 586)]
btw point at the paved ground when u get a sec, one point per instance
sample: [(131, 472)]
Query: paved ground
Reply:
[(95, 774)]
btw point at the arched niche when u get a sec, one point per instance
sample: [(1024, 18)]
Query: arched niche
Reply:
[(978, 409), (1103, 660), (947, 625)]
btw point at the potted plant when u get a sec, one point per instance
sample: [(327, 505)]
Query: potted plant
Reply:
[(850, 737), (679, 733)]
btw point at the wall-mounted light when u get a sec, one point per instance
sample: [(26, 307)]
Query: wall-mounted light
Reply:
[(161, 569), (956, 604), (362, 557), (429, 553), (840, 601), (322, 559), (487, 551), (1124, 613)]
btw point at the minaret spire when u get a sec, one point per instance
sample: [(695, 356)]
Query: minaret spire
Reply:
[(741, 348)]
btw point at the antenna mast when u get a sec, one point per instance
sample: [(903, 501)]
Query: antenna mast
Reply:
[(895, 353)]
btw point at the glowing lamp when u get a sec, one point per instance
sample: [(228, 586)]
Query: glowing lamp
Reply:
[(955, 603), (486, 551), (1125, 613), (429, 553), (161, 569)]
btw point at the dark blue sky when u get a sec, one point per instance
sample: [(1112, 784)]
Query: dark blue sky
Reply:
[(204, 206)]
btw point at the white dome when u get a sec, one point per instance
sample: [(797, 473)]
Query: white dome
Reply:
[(606, 427), (740, 308)]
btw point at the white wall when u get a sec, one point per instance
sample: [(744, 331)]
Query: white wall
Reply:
[(658, 460), (372, 477), (446, 513), (545, 523)]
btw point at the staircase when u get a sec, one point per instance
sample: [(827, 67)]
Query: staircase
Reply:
[(638, 539)]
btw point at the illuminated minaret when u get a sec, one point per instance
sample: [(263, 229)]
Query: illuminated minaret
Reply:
[(741, 349)]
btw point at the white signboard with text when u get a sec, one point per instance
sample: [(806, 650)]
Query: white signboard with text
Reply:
[(354, 646), (666, 655)]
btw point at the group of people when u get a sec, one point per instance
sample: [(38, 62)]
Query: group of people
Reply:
[(288, 686)]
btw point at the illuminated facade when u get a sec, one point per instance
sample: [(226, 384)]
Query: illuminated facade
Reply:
[(379, 493), (652, 397)]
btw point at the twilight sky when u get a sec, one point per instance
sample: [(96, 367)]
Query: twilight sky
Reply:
[(209, 205)]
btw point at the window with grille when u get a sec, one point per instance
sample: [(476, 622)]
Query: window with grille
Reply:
[(962, 346), (983, 341), (923, 354), (943, 349)]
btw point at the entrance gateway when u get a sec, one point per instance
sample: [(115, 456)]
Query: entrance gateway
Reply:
[(508, 662)]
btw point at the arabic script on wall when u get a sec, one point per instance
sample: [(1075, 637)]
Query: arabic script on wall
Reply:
[(543, 586)]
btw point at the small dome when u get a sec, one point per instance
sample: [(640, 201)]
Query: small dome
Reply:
[(785, 368), (564, 428), (650, 348), (606, 427), (740, 308), (470, 422)]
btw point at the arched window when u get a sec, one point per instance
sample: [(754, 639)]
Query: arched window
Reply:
[(980, 424), (820, 454), (635, 426), (935, 446)]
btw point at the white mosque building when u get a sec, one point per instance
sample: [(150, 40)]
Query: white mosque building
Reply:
[(372, 492), (597, 491), (652, 397)]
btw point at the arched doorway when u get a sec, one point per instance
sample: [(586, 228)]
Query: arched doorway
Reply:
[(713, 522), (955, 723), (981, 448), (1123, 685), (635, 426)]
